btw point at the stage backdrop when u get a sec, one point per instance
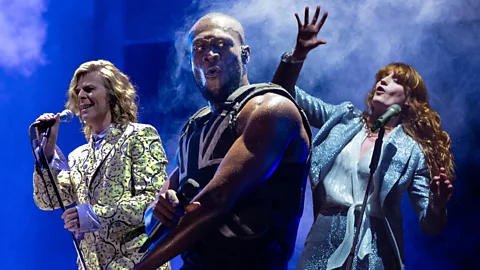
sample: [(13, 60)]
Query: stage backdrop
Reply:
[(43, 42)]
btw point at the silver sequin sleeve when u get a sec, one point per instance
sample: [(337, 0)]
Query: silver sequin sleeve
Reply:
[(317, 111), (430, 212)]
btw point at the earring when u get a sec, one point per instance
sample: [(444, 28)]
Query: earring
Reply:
[(245, 54)]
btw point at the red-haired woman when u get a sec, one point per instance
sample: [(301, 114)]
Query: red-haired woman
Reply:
[(415, 158)]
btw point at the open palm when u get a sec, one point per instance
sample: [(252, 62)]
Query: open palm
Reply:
[(308, 32)]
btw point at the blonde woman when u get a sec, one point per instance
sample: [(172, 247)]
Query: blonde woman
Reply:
[(113, 177)]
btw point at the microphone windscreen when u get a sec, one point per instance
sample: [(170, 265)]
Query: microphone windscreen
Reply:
[(66, 116)]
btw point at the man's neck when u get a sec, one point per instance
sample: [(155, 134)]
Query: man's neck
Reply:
[(100, 126), (217, 105)]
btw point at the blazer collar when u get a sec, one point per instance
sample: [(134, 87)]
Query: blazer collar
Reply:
[(112, 137), (395, 156)]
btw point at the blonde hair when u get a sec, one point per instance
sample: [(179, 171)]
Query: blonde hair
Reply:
[(121, 93), (418, 120)]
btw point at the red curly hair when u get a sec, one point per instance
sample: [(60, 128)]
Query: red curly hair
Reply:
[(418, 120)]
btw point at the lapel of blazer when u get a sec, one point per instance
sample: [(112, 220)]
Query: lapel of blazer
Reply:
[(342, 127), (86, 158), (325, 152), (116, 135), (394, 159), (83, 162)]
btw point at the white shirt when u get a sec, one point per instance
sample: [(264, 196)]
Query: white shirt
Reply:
[(345, 185)]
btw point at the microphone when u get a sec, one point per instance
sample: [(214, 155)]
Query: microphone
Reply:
[(185, 194), (65, 116), (392, 111)]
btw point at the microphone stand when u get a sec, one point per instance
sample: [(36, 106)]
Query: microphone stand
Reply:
[(377, 149), (43, 163)]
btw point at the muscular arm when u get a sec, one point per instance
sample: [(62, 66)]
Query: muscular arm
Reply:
[(270, 122)]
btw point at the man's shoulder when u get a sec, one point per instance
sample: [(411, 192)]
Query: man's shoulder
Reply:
[(273, 103), (269, 107), (251, 91), (77, 152), (138, 126), (142, 132)]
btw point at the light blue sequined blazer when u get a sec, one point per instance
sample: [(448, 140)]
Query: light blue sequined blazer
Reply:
[(401, 168)]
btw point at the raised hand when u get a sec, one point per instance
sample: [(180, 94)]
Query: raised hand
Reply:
[(441, 186), (307, 34)]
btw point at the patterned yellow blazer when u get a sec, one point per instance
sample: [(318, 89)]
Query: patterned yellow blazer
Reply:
[(120, 180)]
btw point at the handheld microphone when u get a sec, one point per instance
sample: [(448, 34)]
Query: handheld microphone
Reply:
[(65, 116), (185, 194), (392, 111)]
